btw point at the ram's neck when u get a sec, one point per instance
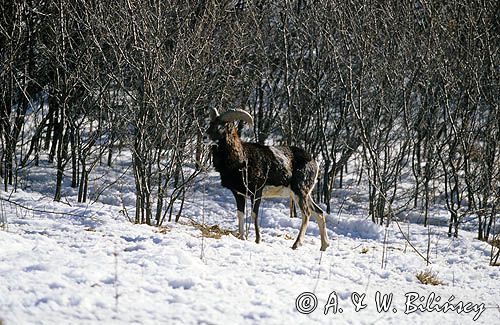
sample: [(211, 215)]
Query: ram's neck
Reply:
[(229, 155), (236, 154)]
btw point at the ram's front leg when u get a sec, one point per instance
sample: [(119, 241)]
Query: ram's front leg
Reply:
[(240, 206), (255, 214)]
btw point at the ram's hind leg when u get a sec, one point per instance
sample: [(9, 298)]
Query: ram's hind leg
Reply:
[(306, 214), (255, 214), (293, 210), (321, 220)]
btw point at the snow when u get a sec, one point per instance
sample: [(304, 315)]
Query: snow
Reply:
[(91, 265)]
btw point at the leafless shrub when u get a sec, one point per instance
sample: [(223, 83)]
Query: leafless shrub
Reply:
[(409, 89)]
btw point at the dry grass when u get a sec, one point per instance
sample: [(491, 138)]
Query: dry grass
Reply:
[(495, 252), (210, 231), (285, 235), (495, 243), (162, 230), (428, 277), (364, 250)]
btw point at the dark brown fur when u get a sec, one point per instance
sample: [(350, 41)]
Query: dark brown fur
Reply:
[(246, 168)]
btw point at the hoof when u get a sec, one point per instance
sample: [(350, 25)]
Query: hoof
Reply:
[(257, 240), (296, 245), (324, 246)]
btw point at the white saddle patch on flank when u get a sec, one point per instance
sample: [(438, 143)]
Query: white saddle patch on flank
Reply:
[(283, 159), (275, 191)]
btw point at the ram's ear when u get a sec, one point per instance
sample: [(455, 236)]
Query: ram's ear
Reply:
[(213, 114)]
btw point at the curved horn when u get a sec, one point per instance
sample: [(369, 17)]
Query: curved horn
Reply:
[(213, 113), (237, 115)]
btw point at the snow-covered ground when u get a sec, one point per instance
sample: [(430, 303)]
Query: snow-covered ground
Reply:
[(91, 265)]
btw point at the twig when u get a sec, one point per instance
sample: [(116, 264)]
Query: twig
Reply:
[(40, 210), (409, 243), (202, 253), (115, 282)]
